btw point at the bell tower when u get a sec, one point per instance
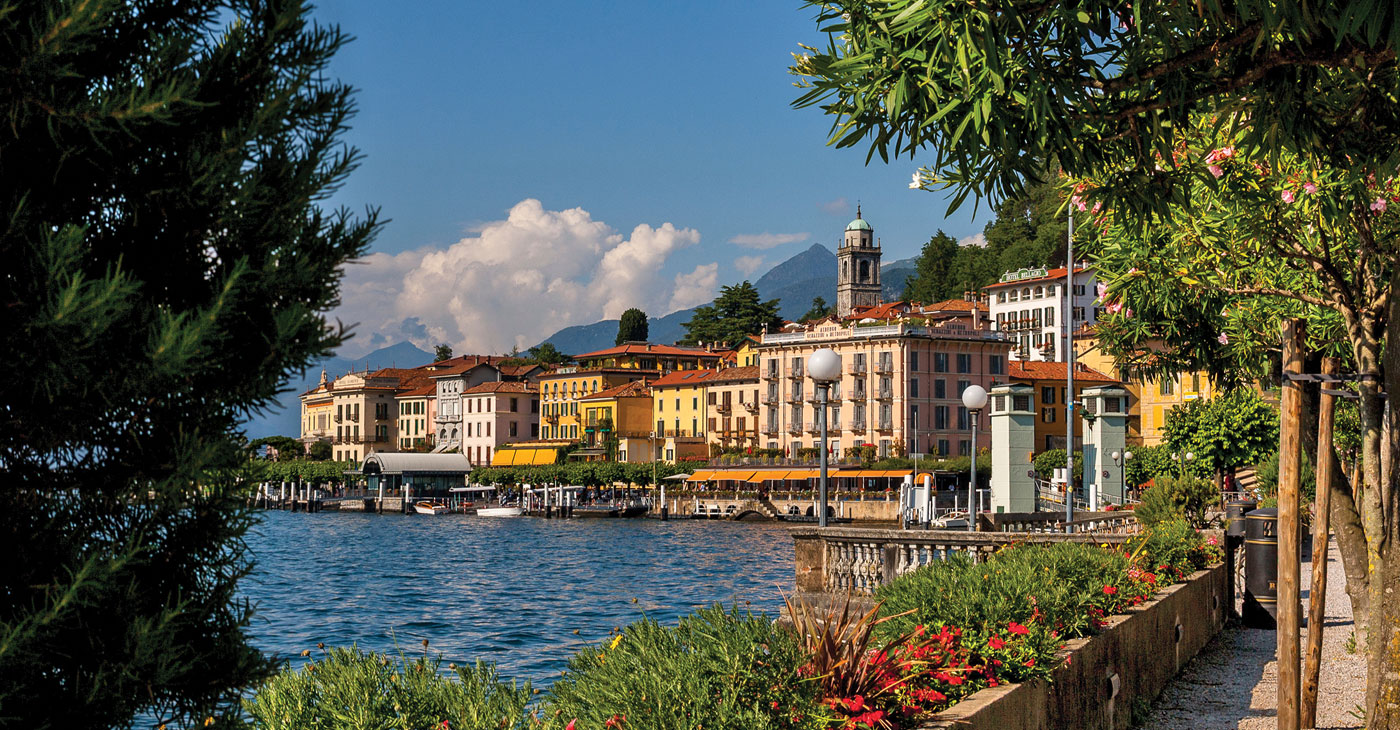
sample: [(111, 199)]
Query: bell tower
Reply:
[(857, 268)]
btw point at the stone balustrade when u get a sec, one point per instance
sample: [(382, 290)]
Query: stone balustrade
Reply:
[(858, 561)]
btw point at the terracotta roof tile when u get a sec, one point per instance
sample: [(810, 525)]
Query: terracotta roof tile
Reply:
[(951, 305), (684, 377), (1058, 273), (729, 375), (634, 389), (650, 350), (1040, 370), (503, 386)]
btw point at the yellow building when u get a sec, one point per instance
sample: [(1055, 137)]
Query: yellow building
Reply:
[(1151, 399), (616, 423), (562, 390), (680, 410), (416, 417)]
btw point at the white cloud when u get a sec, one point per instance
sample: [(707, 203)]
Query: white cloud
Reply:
[(768, 240), (516, 281), (697, 287), (976, 239), (835, 207), (748, 264)]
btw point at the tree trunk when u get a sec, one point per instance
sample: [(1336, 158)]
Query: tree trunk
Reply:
[(1380, 515), (1345, 519)]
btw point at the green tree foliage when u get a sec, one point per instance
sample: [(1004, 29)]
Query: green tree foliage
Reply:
[(316, 472), (319, 451), (1193, 124), (632, 327), (1177, 498), (1029, 229), (442, 352), (286, 447), (168, 262), (932, 278), (1225, 432), (820, 309), (1148, 462), (542, 354), (1046, 462), (736, 312)]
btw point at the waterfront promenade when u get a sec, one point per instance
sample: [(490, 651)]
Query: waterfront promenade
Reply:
[(1232, 683)]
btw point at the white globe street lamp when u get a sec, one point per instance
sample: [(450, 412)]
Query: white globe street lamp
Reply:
[(824, 366), (974, 399)]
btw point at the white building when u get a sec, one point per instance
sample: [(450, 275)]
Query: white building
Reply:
[(1029, 306)]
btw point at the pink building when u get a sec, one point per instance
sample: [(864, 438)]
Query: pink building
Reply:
[(495, 413)]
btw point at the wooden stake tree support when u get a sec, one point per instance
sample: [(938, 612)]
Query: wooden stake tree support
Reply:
[(1317, 595), (1289, 535)]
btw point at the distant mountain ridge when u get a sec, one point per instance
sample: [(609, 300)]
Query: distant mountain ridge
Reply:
[(794, 282)]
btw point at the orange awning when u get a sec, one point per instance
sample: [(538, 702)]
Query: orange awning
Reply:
[(898, 473), (503, 457), (701, 475), (739, 475), (543, 456), (763, 476)]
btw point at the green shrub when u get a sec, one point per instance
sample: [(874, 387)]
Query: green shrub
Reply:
[(1266, 480), (350, 689), (717, 669), (1177, 498), (1046, 462)]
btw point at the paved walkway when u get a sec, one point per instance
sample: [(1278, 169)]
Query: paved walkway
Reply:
[(1232, 683)]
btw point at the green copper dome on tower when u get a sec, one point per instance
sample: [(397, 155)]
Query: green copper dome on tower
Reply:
[(859, 223)]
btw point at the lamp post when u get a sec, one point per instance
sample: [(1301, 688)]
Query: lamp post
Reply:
[(974, 398), (654, 482), (1181, 460), (1121, 461), (824, 366)]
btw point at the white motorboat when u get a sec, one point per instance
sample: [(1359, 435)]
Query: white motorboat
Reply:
[(428, 508), (490, 506), (499, 512)]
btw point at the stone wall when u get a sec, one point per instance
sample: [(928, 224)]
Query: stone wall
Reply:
[(1132, 658)]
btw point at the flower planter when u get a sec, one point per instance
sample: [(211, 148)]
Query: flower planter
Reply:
[(1134, 657)]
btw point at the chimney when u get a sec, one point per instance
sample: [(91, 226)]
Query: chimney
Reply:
[(976, 316)]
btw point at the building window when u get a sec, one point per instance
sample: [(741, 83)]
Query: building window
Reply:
[(942, 447), (964, 447), (940, 362), (940, 388), (1047, 395), (1165, 386), (914, 361), (914, 388), (514, 429), (1079, 290), (964, 419), (962, 386), (940, 417), (964, 363), (996, 364)]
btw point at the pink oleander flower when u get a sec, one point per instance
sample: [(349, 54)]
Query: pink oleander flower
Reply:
[(1133, 270), (1097, 207), (1287, 196), (1113, 307), (1102, 289), (570, 726), (1223, 339), (1128, 313), (1379, 205), (1309, 188), (1216, 170), (1078, 202)]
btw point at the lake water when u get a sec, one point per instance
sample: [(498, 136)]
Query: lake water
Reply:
[(507, 590)]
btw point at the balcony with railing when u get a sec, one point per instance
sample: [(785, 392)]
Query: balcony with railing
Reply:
[(795, 428), (856, 394), (884, 367), (793, 372), (602, 425), (857, 426), (750, 406), (771, 399), (723, 406), (447, 418), (770, 429), (886, 426), (869, 331), (885, 394), (857, 368), (771, 374), (794, 397)]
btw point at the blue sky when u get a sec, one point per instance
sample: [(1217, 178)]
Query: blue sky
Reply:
[(612, 116)]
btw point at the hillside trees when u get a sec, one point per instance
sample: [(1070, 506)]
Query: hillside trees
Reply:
[(632, 327), (1175, 118), (736, 312), (168, 261)]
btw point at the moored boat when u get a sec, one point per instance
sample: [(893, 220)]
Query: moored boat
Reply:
[(499, 511), (428, 508)]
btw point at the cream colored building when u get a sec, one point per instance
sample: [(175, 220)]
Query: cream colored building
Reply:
[(366, 411), (732, 407)]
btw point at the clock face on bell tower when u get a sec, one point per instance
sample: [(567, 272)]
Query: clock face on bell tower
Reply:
[(857, 268)]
